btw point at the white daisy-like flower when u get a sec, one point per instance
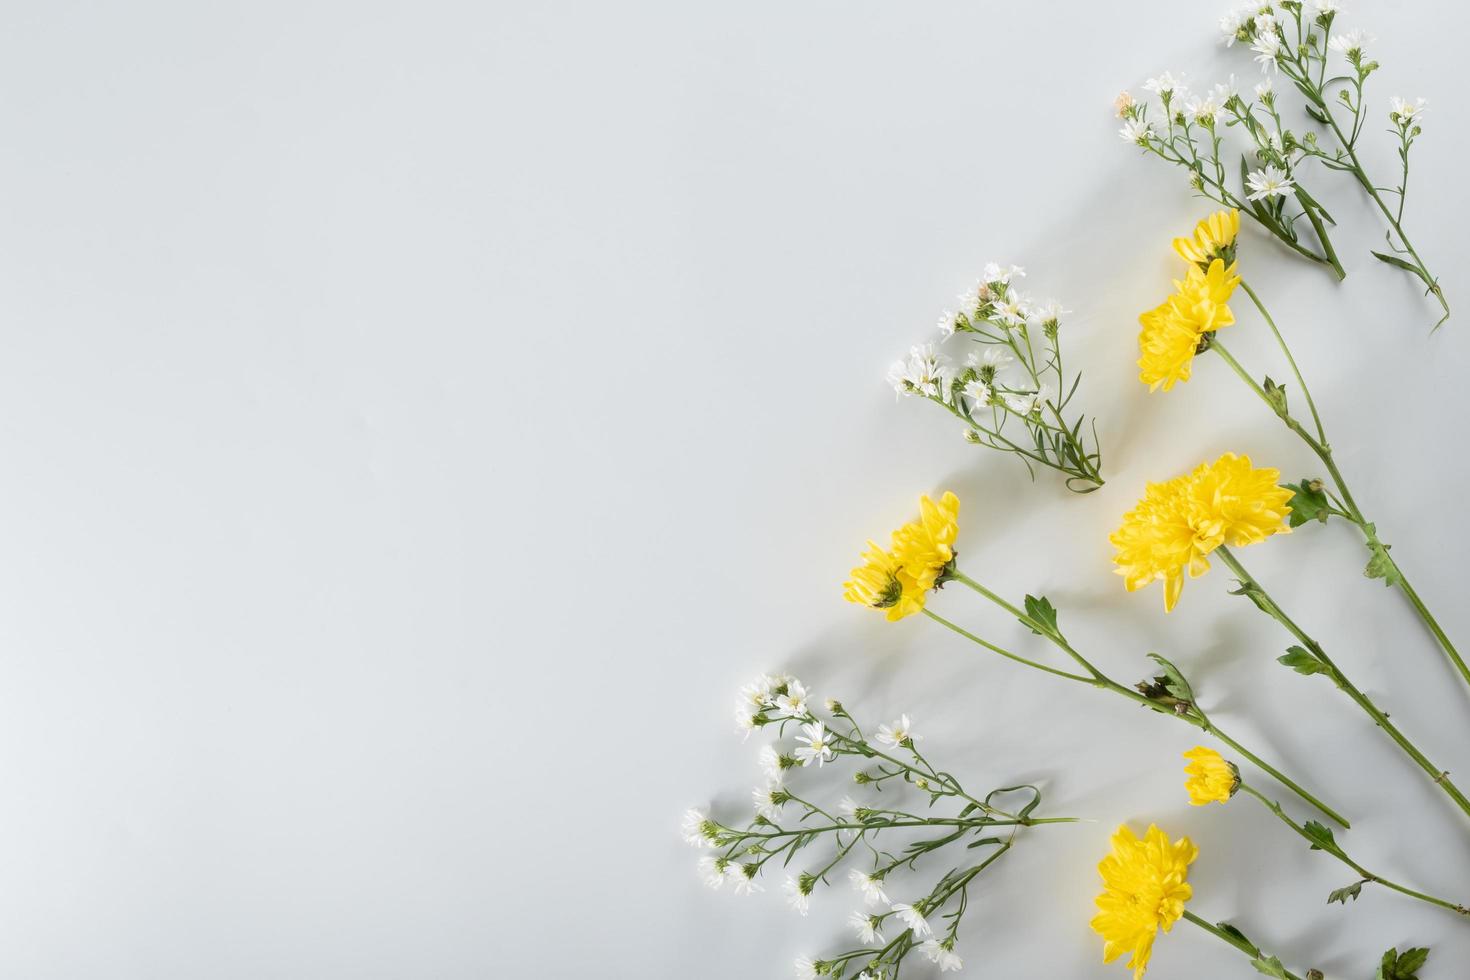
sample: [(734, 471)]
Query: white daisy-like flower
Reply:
[(1268, 182), (923, 371), (1351, 44), (969, 299), (742, 878), (1321, 7), (998, 275), (870, 886), (768, 800), (997, 357), (1405, 111), (1136, 131), (1265, 23), (1165, 85), (848, 807), (1267, 49), (757, 694), (1026, 402), (914, 919), (795, 702), (867, 930), (1123, 104), (946, 324), (1203, 109), (1232, 22), (900, 733), (745, 718), (797, 897), (979, 393), (816, 747), (1012, 309), (1051, 312), (770, 763), (712, 871), (939, 953), (694, 827), (805, 968), (1263, 89)]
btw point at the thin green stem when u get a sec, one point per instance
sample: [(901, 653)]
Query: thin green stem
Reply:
[(1236, 940), (1004, 653), (1281, 342), (1263, 601), (1337, 852)]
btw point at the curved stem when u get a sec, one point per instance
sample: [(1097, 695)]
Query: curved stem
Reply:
[(1193, 715), (1341, 855), (1355, 515), (1281, 342), (1237, 941), (1263, 600)]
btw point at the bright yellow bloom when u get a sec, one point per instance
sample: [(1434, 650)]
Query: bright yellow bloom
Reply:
[(1144, 890), (1211, 239), (926, 546), (1210, 778), (880, 583), (1172, 330), (1179, 522), (898, 579)]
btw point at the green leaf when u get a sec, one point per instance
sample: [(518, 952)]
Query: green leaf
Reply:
[(1406, 266), (1343, 894), (1234, 933), (1321, 836), (1275, 396), (1299, 660), (1043, 614), (1402, 966), (1308, 502), (1271, 967), (1380, 565), (1173, 679)]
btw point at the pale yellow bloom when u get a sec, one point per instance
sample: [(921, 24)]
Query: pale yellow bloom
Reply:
[(1178, 522), (1210, 779), (1212, 237), (1144, 890)]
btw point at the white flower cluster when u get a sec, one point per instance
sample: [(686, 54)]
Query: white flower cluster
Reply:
[(1405, 113)]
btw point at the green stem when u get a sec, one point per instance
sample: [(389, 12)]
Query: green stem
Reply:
[(1281, 342), (1323, 452), (1194, 716), (1338, 853), (1268, 605), (1238, 942)]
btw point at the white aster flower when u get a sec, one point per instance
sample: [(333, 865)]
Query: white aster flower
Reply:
[(1267, 49), (1263, 89), (1268, 182), (914, 919), (1052, 312), (923, 371), (1024, 403), (867, 931), (871, 887), (817, 745), (712, 871), (1203, 109), (797, 896), (997, 275), (1232, 22), (770, 763), (745, 717), (978, 392), (1265, 23), (900, 733), (742, 878), (795, 702), (1165, 85), (1351, 44), (805, 968), (946, 324), (939, 953), (1012, 309), (1403, 111), (694, 827), (848, 807), (768, 800), (997, 357), (1321, 7), (1136, 131)]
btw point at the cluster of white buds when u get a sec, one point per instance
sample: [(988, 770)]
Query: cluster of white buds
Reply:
[(788, 821)]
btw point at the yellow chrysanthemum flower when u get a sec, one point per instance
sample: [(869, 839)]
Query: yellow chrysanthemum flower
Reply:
[(1144, 890), (898, 579), (1179, 522), (1172, 330), (1213, 238), (881, 583), (926, 546), (1210, 779)]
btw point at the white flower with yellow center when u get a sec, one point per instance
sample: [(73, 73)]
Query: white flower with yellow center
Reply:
[(816, 745)]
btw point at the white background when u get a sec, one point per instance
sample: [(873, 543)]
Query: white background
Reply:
[(418, 419)]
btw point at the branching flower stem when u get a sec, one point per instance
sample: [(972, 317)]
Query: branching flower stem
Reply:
[(1186, 711), (1251, 588), (1329, 845)]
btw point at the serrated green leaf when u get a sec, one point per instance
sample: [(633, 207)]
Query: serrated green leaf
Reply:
[(1402, 966), (1343, 894), (1271, 967), (1320, 835), (1041, 612), (1308, 502), (1174, 681), (1299, 660)]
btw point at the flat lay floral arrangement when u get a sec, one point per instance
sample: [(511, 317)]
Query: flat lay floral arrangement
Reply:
[(870, 809)]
